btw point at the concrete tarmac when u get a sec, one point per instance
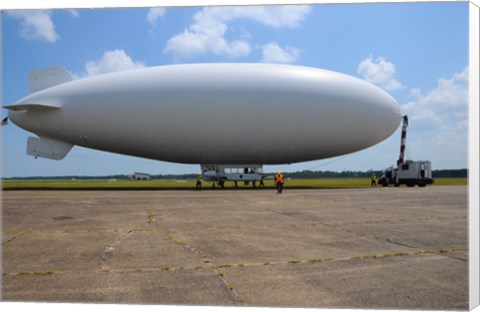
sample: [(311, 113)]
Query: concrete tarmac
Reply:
[(388, 248)]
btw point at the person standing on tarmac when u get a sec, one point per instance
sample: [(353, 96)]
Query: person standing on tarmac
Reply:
[(279, 180), (373, 177), (198, 186)]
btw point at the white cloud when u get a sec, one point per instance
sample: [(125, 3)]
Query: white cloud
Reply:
[(273, 53), (379, 72), (35, 24), (111, 61), (276, 16), (446, 103), (447, 147), (207, 33), (154, 14)]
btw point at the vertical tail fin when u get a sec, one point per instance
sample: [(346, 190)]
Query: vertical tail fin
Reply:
[(48, 77)]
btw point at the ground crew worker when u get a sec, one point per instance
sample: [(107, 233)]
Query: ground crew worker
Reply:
[(279, 181), (374, 180), (198, 186), (261, 182)]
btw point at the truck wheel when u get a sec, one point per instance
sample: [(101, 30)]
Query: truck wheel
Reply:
[(397, 184)]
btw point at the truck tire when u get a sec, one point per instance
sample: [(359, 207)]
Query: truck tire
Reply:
[(397, 184)]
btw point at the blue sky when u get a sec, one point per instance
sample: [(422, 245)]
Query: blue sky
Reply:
[(418, 52)]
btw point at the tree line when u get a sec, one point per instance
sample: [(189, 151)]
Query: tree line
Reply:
[(305, 174), (308, 174)]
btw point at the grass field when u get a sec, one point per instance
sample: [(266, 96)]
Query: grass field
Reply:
[(190, 184)]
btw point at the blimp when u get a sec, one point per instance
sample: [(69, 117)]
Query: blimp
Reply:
[(230, 118)]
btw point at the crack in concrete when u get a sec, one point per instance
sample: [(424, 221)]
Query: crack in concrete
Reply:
[(15, 236), (151, 215), (111, 247), (209, 263), (206, 261), (448, 252), (388, 240), (236, 227)]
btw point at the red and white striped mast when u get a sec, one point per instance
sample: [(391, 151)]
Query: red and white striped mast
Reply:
[(401, 158)]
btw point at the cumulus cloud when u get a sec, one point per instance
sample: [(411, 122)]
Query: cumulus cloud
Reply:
[(276, 16), (207, 32), (111, 61), (448, 101), (273, 53), (447, 147), (154, 14), (35, 24), (380, 72)]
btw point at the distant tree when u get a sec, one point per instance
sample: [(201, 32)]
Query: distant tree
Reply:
[(305, 174)]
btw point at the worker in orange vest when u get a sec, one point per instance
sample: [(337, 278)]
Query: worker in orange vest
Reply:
[(279, 181)]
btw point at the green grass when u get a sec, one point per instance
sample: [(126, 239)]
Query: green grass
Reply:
[(95, 184), (190, 184), (451, 181)]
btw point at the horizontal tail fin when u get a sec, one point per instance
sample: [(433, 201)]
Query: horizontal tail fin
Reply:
[(48, 77), (20, 107), (47, 148)]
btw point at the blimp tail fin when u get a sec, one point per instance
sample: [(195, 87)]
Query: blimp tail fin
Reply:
[(48, 77), (20, 107), (47, 148)]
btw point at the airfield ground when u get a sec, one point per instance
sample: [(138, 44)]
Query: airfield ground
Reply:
[(399, 248)]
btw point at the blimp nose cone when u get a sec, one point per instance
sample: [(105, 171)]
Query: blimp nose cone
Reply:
[(390, 115), (359, 115)]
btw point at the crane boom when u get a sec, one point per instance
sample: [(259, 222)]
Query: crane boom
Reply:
[(409, 172), (401, 158)]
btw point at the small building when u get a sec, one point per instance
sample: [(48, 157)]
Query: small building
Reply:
[(140, 176)]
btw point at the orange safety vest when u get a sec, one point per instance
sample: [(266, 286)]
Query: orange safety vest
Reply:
[(279, 178)]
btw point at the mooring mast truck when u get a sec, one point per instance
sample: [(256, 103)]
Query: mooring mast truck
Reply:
[(408, 172)]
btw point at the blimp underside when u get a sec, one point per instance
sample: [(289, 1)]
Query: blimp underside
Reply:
[(213, 114)]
